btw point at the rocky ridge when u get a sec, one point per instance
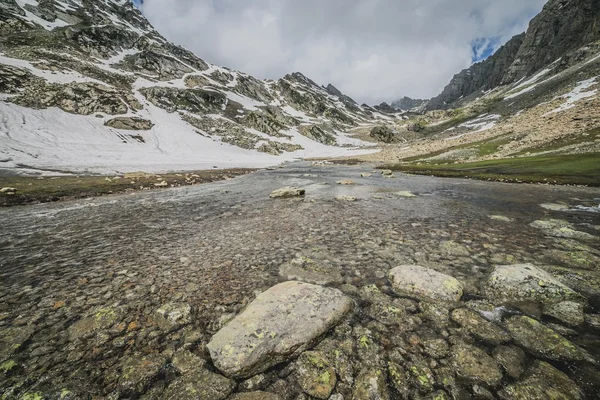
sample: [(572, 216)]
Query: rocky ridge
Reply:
[(561, 33)]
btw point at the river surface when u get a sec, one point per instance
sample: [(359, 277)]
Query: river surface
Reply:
[(216, 246)]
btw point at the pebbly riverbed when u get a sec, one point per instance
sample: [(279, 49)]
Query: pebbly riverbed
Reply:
[(136, 296)]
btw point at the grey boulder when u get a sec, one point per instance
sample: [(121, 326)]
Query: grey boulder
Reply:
[(279, 324), (414, 280), (287, 192), (524, 282)]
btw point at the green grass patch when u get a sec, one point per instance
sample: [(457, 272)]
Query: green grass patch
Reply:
[(41, 190), (579, 169)]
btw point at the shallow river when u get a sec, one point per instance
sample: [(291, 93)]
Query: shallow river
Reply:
[(216, 246)]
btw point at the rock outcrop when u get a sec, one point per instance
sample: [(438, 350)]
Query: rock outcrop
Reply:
[(130, 123), (382, 133)]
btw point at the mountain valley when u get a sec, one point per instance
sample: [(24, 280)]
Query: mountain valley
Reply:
[(175, 229)]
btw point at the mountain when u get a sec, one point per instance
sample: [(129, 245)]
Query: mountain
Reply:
[(562, 30), (91, 86), (385, 108), (408, 104), (480, 77)]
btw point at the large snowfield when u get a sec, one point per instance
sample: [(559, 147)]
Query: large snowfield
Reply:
[(52, 140)]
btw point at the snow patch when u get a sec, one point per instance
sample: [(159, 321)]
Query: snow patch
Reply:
[(578, 93), (51, 76)]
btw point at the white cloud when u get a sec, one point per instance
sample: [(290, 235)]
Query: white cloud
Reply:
[(372, 50)]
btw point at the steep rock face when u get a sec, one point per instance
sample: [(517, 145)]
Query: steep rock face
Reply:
[(559, 31), (562, 27), (480, 76), (305, 95), (347, 100)]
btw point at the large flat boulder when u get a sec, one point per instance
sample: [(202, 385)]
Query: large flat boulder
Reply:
[(524, 282), (279, 324), (414, 280)]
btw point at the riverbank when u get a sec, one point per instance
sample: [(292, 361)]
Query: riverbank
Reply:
[(32, 189), (580, 169)]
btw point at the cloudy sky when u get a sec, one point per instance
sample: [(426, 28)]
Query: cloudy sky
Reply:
[(372, 50)]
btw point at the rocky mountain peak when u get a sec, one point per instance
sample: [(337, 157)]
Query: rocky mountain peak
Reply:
[(562, 28), (406, 103), (332, 90)]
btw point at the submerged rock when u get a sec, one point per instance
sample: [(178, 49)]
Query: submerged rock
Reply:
[(310, 271), (185, 361), (287, 192), (316, 376), (435, 347), (454, 249), (405, 193), (476, 365), (371, 385), (544, 382), (511, 358), (102, 319), (421, 377), (12, 339), (479, 327), (524, 282), (398, 379), (561, 229), (542, 341), (346, 182), (500, 218), (200, 385), (345, 198), (171, 315), (569, 312), (554, 206), (138, 372), (280, 323), (414, 280), (255, 396)]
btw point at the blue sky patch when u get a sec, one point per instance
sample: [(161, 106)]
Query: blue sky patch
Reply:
[(482, 48)]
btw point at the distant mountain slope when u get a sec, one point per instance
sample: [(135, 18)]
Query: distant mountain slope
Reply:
[(408, 104), (92, 86), (561, 30)]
